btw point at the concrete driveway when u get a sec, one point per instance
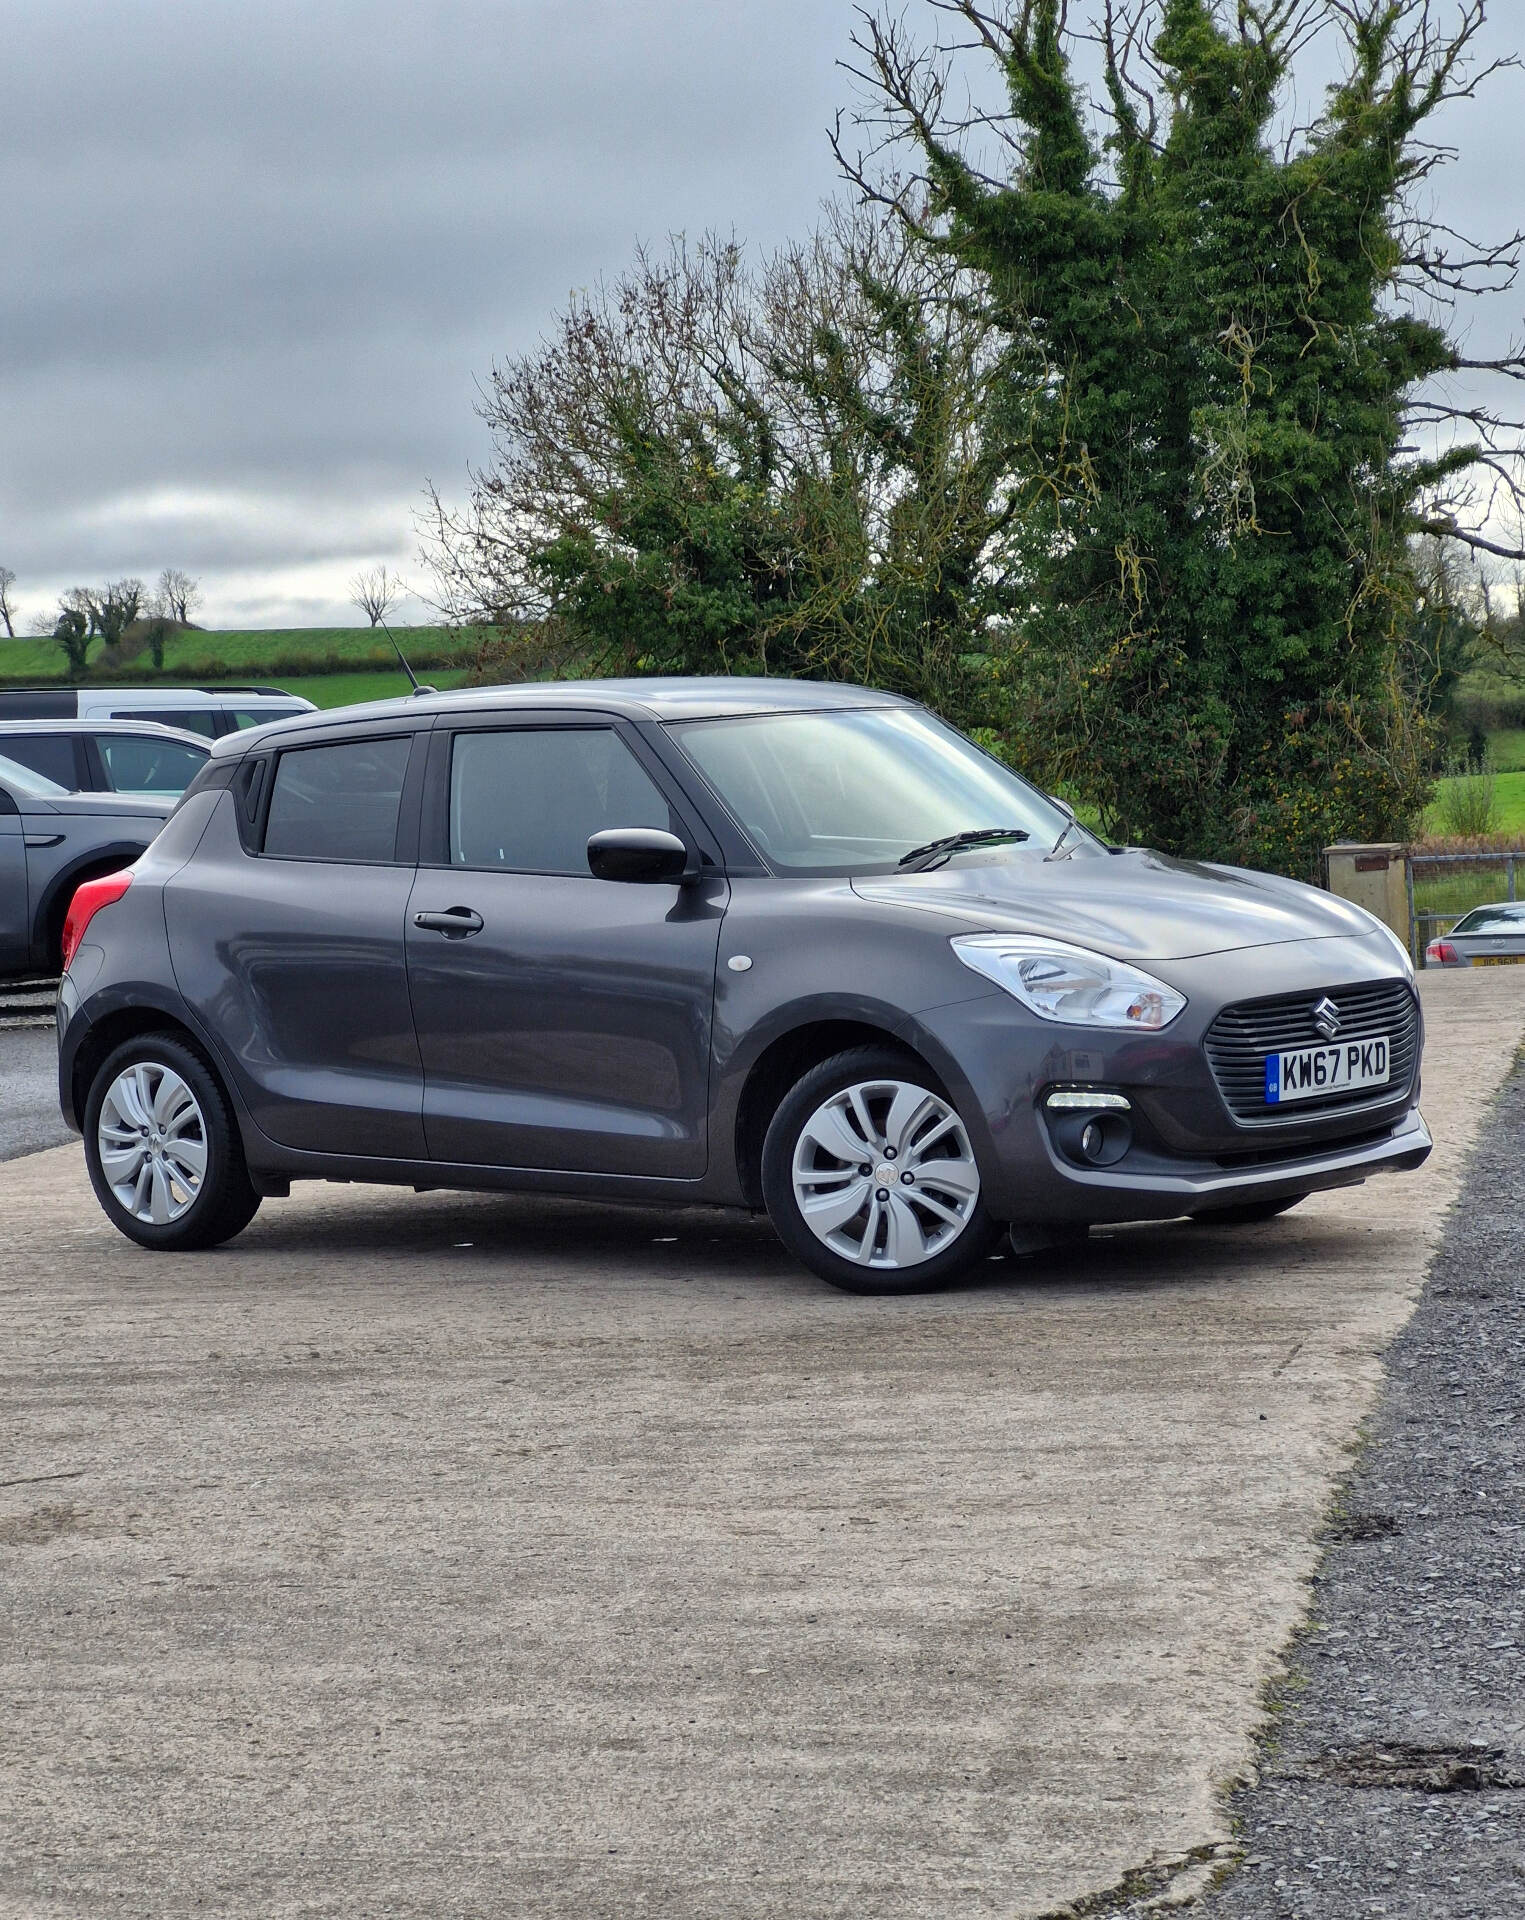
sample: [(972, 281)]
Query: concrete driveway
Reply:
[(465, 1556)]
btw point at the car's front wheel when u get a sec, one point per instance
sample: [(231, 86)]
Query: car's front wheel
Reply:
[(163, 1149), (870, 1178)]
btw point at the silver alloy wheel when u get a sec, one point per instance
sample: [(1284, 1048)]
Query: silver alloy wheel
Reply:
[(152, 1140), (884, 1174)]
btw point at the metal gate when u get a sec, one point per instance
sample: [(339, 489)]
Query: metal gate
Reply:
[(1444, 886)]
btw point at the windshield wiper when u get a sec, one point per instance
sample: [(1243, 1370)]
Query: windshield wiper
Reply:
[(1069, 827), (920, 858)]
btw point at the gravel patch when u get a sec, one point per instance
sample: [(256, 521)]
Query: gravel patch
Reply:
[(1394, 1778)]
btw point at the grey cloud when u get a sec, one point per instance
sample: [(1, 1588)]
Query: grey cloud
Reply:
[(253, 257)]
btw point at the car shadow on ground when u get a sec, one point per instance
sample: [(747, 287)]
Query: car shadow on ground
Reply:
[(547, 1236)]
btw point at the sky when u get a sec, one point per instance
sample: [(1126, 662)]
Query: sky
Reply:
[(255, 255)]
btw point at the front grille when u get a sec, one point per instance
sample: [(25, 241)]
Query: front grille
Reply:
[(1240, 1038)]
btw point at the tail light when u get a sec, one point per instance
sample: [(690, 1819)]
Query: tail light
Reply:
[(1440, 953), (86, 904)]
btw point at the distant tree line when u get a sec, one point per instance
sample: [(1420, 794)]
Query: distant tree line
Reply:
[(114, 614), (1114, 428)]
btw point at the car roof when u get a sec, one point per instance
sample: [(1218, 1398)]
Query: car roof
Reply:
[(137, 728), (719, 696)]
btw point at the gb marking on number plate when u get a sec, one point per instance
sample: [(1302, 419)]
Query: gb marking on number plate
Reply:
[(1311, 1071)]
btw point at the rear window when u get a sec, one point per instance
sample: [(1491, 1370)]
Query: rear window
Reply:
[(192, 719), (50, 754), (339, 802), (1499, 919)]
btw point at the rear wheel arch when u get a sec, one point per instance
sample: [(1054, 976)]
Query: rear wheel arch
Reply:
[(52, 909), (129, 1023)]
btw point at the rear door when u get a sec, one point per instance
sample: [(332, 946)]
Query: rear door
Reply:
[(286, 931), (15, 917), (563, 1021)]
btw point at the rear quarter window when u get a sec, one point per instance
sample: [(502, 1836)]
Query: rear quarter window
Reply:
[(338, 802)]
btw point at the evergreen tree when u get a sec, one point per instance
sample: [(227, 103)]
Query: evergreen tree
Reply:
[(1208, 396)]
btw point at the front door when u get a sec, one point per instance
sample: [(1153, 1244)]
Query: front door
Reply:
[(563, 1021)]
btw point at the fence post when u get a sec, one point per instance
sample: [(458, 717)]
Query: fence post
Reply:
[(1408, 882), (1373, 877)]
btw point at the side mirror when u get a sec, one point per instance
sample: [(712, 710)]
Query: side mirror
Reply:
[(643, 854)]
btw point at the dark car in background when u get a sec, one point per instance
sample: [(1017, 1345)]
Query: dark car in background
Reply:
[(106, 756), (761, 944), (51, 841)]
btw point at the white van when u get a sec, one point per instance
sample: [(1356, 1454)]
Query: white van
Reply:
[(210, 711)]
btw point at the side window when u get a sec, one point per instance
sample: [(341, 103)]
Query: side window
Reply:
[(261, 717), (137, 763), (50, 754), (188, 719), (529, 799), (339, 802)]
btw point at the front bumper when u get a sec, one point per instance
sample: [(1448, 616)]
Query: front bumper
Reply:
[(1153, 1188), (1189, 1153)]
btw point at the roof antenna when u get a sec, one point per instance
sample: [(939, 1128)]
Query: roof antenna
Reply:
[(412, 676)]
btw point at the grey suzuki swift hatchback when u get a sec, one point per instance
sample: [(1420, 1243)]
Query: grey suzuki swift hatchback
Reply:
[(753, 943)]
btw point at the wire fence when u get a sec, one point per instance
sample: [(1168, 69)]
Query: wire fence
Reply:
[(1442, 887)]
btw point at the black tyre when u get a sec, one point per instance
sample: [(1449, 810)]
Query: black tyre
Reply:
[(1248, 1215), (163, 1149), (870, 1178)]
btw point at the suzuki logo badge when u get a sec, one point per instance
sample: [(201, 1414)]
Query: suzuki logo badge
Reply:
[(1326, 1017)]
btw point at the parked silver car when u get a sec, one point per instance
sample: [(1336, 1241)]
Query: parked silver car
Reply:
[(106, 756), (51, 841), (1485, 937)]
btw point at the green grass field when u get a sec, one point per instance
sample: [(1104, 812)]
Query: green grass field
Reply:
[(1508, 749), (348, 689), (1509, 792), (270, 653)]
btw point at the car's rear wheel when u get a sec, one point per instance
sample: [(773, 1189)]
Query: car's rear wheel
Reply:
[(1249, 1214), (870, 1178), (163, 1149)]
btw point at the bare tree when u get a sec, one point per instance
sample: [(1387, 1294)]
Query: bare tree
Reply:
[(375, 592), (723, 464), (177, 596), (7, 611)]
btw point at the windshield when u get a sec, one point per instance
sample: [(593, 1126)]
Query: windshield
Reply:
[(15, 775), (856, 791), (1485, 919)]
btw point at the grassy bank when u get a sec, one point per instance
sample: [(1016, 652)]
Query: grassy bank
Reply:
[(266, 654)]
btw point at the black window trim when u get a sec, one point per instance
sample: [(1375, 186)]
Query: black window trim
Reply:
[(83, 771), (433, 842), (405, 843)]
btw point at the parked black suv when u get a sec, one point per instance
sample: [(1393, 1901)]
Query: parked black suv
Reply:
[(755, 943)]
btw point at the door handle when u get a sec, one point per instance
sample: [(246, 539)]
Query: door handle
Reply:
[(455, 922)]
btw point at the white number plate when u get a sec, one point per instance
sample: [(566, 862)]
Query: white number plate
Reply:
[(1310, 1071)]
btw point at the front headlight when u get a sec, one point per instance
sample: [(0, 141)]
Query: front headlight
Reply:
[(1071, 984)]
